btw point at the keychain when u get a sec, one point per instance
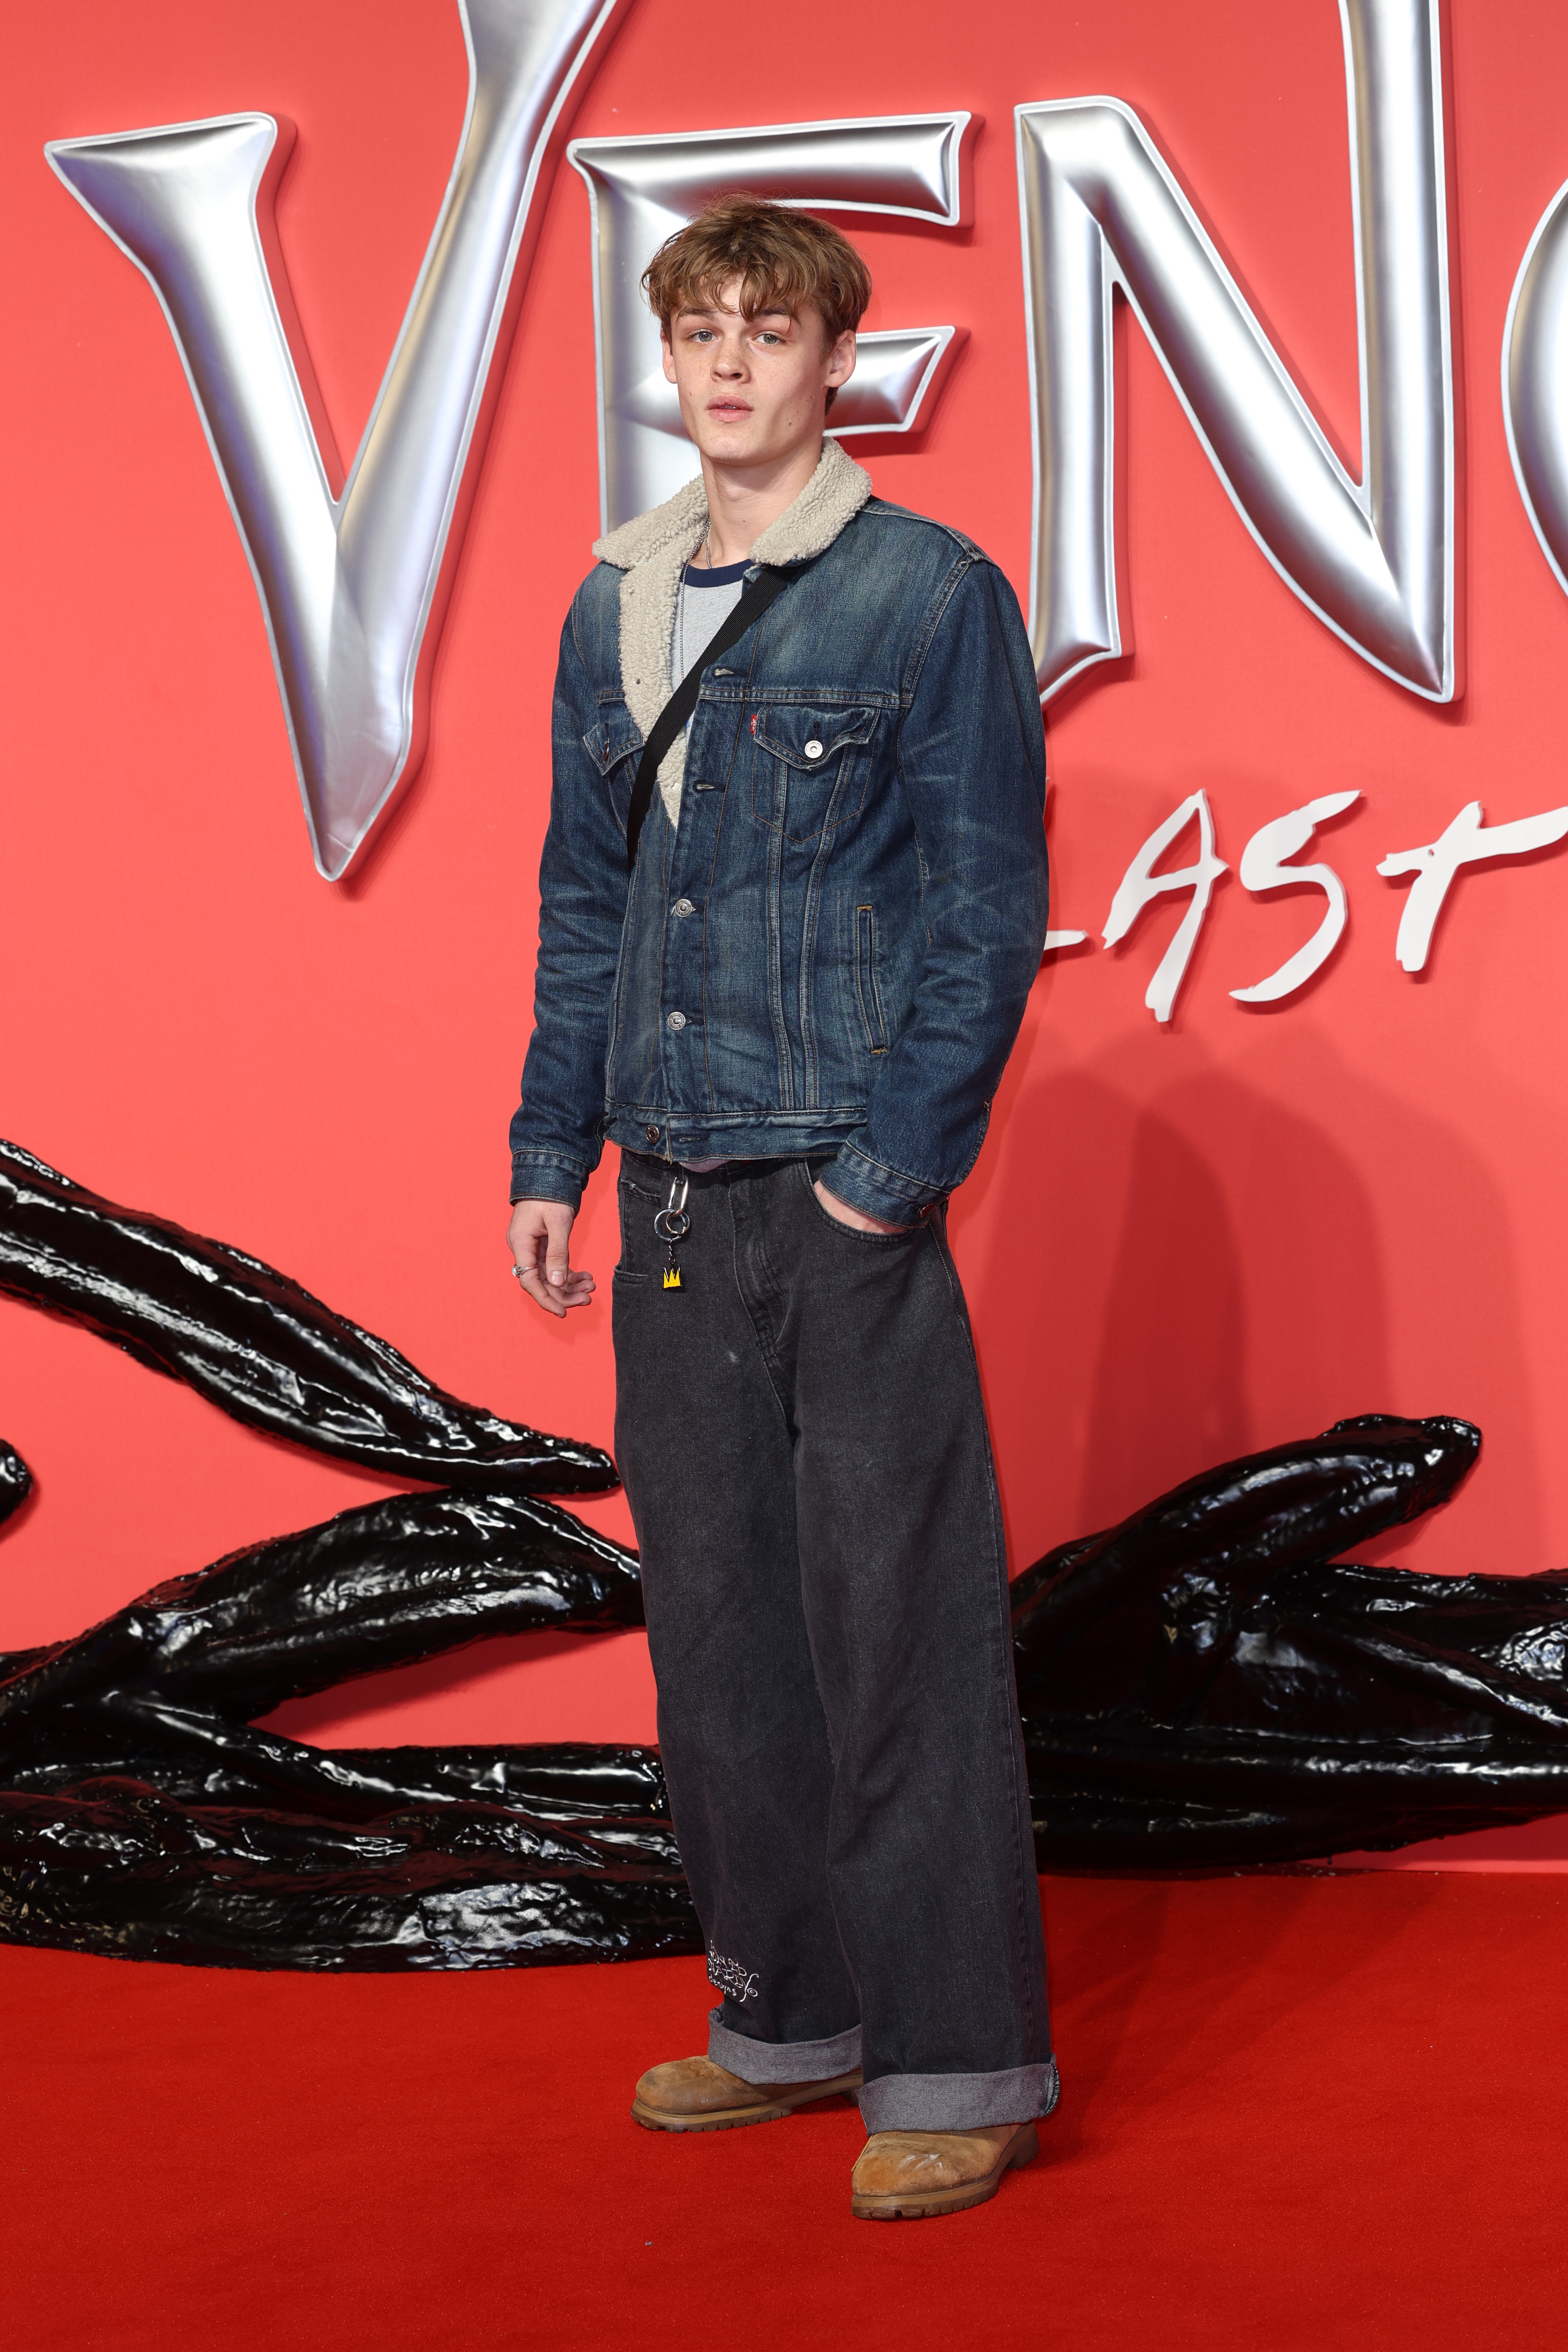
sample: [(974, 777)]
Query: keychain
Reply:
[(671, 1224)]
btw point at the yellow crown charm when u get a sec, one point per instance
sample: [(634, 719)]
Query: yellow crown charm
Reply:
[(672, 1277)]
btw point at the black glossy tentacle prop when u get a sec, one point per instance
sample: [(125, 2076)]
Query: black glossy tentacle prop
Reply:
[(141, 1812), (1205, 1684), (1209, 1685), (253, 1342)]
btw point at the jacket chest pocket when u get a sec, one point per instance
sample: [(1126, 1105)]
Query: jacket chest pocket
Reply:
[(809, 767), (614, 745)]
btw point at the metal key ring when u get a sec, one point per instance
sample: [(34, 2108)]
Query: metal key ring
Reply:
[(671, 1224)]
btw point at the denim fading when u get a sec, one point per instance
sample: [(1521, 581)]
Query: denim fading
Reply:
[(804, 1447), (832, 948)]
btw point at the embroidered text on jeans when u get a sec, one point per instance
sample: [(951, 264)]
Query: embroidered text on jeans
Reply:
[(731, 1977)]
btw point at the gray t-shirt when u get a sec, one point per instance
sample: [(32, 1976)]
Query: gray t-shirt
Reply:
[(706, 599)]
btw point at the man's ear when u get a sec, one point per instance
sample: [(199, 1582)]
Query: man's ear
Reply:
[(841, 360), (667, 355)]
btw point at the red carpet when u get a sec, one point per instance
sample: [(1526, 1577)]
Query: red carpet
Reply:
[(1321, 2112)]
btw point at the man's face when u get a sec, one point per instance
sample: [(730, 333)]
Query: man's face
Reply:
[(752, 390)]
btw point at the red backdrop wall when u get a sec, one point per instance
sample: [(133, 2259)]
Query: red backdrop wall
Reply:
[(1179, 1244)]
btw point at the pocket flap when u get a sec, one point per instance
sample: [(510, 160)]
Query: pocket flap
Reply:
[(612, 740), (807, 737)]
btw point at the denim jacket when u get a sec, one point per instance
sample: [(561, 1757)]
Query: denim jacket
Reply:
[(839, 900)]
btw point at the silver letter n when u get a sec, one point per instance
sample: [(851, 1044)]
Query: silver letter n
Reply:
[(352, 575), (1374, 559)]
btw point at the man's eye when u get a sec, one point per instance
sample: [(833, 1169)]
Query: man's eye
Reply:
[(768, 336)]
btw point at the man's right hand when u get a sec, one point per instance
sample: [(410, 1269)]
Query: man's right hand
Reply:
[(538, 1237)]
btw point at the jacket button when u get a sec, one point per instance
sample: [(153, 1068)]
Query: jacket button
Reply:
[(814, 750), (652, 1133), (683, 907), (674, 1020)]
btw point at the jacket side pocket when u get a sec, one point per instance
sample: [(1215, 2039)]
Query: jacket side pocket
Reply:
[(866, 986)]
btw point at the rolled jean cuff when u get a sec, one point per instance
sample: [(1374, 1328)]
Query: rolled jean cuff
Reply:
[(782, 2061), (956, 2102)]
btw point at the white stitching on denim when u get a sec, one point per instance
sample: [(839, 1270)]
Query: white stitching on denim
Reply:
[(738, 1984)]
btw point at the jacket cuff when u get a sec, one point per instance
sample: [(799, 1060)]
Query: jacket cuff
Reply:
[(547, 1176), (876, 1191)]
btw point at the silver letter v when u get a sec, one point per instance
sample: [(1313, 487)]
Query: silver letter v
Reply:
[(352, 575)]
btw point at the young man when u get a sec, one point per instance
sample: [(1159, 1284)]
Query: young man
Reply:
[(791, 1020)]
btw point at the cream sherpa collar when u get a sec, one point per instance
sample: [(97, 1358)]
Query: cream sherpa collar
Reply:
[(654, 549)]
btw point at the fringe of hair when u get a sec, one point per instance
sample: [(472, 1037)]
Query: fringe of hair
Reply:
[(784, 259)]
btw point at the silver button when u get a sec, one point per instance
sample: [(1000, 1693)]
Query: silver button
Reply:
[(674, 1020), (683, 907), (814, 750)]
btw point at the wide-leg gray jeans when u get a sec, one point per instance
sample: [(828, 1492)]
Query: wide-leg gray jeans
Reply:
[(800, 1430)]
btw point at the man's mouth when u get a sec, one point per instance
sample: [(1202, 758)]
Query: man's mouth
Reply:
[(729, 408)]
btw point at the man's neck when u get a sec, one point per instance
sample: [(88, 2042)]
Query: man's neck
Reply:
[(743, 500)]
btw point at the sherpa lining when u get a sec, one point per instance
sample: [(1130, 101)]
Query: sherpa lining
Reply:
[(654, 549)]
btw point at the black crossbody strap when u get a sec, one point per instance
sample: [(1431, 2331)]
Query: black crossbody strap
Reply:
[(754, 604)]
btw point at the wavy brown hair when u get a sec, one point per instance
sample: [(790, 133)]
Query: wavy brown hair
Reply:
[(784, 259)]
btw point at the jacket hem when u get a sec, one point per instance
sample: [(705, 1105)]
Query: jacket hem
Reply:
[(728, 1135)]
